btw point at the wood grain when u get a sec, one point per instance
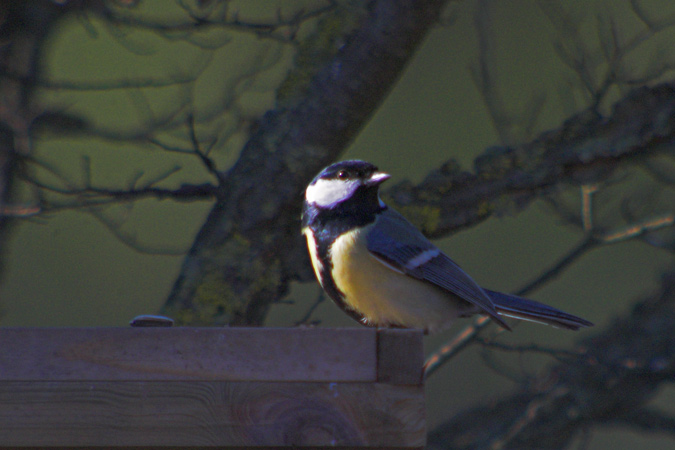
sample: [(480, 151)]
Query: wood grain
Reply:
[(229, 354), (210, 413), (206, 387)]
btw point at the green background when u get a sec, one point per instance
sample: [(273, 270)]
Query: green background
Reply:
[(68, 269)]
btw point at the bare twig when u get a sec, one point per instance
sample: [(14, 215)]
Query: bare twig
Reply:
[(591, 240), (530, 348), (304, 320), (458, 343), (622, 367), (577, 52), (512, 126), (203, 156), (223, 20)]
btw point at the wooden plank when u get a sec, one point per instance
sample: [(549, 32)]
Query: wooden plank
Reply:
[(206, 387), (185, 353), (400, 356), (210, 413)]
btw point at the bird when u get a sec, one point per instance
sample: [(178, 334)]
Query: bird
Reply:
[(383, 272)]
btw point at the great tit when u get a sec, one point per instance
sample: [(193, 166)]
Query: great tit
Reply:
[(384, 272)]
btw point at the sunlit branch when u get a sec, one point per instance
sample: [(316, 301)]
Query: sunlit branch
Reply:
[(19, 211), (591, 240)]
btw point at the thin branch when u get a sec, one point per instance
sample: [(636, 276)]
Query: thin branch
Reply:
[(623, 366), (203, 156), (20, 211), (458, 343), (508, 179), (196, 22), (587, 191), (613, 49), (88, 196), (91, 196), (592, 240), (638, 229), (530, 348), (131, 240), (572, 256), (304, 320), (511, 127), (471, 333)]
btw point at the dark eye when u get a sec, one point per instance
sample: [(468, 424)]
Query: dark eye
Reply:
[(343, 174)]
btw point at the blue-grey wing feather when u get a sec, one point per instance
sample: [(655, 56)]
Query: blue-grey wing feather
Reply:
[(396, 241)]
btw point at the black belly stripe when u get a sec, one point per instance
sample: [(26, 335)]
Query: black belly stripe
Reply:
[(328, 282), (327, 225)]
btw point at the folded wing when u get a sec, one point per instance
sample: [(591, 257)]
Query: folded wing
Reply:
[(398, 244)]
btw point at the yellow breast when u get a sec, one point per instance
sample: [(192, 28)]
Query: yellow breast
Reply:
[(383, 295)]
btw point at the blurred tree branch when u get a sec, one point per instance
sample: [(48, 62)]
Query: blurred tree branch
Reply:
[(233, 272), (588, 148), (20, 51), (609, 384), (249, 249), (237, 285)]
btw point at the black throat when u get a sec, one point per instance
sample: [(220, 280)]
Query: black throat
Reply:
[(327, 224), (357, 211)]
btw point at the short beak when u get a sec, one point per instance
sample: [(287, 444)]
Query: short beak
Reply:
[(377, 178)]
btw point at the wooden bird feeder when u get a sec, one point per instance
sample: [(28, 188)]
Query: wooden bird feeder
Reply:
[(211, 387)]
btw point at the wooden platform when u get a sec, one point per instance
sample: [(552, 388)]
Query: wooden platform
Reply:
[(211, 387)]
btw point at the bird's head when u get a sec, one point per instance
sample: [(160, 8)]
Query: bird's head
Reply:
[(351, 181)]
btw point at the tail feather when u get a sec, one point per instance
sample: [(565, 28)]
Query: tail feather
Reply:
[(521, 308)]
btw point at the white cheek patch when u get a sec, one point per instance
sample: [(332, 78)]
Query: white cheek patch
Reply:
[(326, 193)]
